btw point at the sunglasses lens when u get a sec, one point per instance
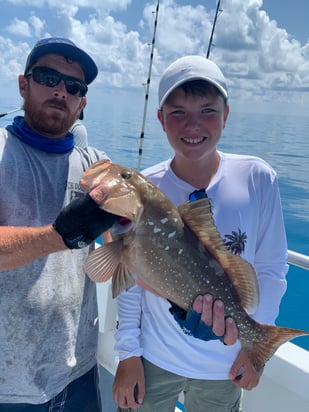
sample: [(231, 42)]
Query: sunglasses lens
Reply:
[(45, 77), (51, 78), (75, 87)]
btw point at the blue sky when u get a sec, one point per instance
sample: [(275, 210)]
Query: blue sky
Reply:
[(290, 15), (262, 46)]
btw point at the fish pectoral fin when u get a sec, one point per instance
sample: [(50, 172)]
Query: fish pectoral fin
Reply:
[(122, 280), (103, 262), (199, 218)]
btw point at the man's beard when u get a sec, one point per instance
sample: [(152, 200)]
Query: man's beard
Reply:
[(48, 124)]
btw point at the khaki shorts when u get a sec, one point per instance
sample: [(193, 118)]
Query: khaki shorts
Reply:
[(163, 389)]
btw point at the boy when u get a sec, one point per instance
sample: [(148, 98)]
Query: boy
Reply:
[(155, 354)]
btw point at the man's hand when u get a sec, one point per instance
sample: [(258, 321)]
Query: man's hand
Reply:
[(129, 383), (205, 320), (82, 221)]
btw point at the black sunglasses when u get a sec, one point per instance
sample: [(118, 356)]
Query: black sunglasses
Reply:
[(197, 195), (51, 78)]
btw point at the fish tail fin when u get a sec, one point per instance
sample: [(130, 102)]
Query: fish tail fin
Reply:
[(261, 351)]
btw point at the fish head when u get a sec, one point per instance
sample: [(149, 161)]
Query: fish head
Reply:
[(115, 188)]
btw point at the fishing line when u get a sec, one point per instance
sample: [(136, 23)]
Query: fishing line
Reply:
[(11, 111)]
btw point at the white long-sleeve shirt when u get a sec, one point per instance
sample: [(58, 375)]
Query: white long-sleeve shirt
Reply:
[(246, 205)]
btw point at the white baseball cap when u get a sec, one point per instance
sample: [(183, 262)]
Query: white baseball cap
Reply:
[(190, 68)]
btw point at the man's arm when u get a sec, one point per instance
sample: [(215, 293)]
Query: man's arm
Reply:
[(76, 226), (21, 245)]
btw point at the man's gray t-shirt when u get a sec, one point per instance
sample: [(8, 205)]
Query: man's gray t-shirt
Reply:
[(48, 308)]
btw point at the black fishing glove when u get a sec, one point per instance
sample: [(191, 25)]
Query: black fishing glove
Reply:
[(82, 221), (191, 324)]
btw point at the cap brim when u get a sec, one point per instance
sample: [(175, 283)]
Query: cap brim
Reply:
[(221, 89), (73, 52)]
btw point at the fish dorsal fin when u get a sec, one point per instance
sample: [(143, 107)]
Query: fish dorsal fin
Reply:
[(198, 216), (105, 262)]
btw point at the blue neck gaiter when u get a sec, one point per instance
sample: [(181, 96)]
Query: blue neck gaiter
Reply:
[(28, 136)]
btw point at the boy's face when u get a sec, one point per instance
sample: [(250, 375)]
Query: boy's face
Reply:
[(193, 124)]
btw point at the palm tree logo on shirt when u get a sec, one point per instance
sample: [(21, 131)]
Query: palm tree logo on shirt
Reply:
[(235, 242)]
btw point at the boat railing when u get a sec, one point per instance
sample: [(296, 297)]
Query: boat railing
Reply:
[(298, 259)]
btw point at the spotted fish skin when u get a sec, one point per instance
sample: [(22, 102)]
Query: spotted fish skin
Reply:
[(176, 253)]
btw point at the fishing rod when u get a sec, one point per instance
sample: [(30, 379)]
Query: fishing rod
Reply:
[(218, 12), (11, 111), (142, 135)]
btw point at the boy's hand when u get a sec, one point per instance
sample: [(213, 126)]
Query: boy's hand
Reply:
[(205, 320)]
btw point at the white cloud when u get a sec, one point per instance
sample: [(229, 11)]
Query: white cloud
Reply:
[(259, 59), (37, 25), (19, 27)]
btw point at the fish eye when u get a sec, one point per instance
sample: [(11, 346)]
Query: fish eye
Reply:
[(126, 174)]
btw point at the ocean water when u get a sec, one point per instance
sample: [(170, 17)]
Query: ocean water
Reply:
[(114, 125)]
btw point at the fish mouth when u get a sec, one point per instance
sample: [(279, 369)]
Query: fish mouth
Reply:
[(109, 186), (123, 205), (123, 225)]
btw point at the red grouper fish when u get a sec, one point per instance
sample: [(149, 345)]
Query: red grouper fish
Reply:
[(175, 252)]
